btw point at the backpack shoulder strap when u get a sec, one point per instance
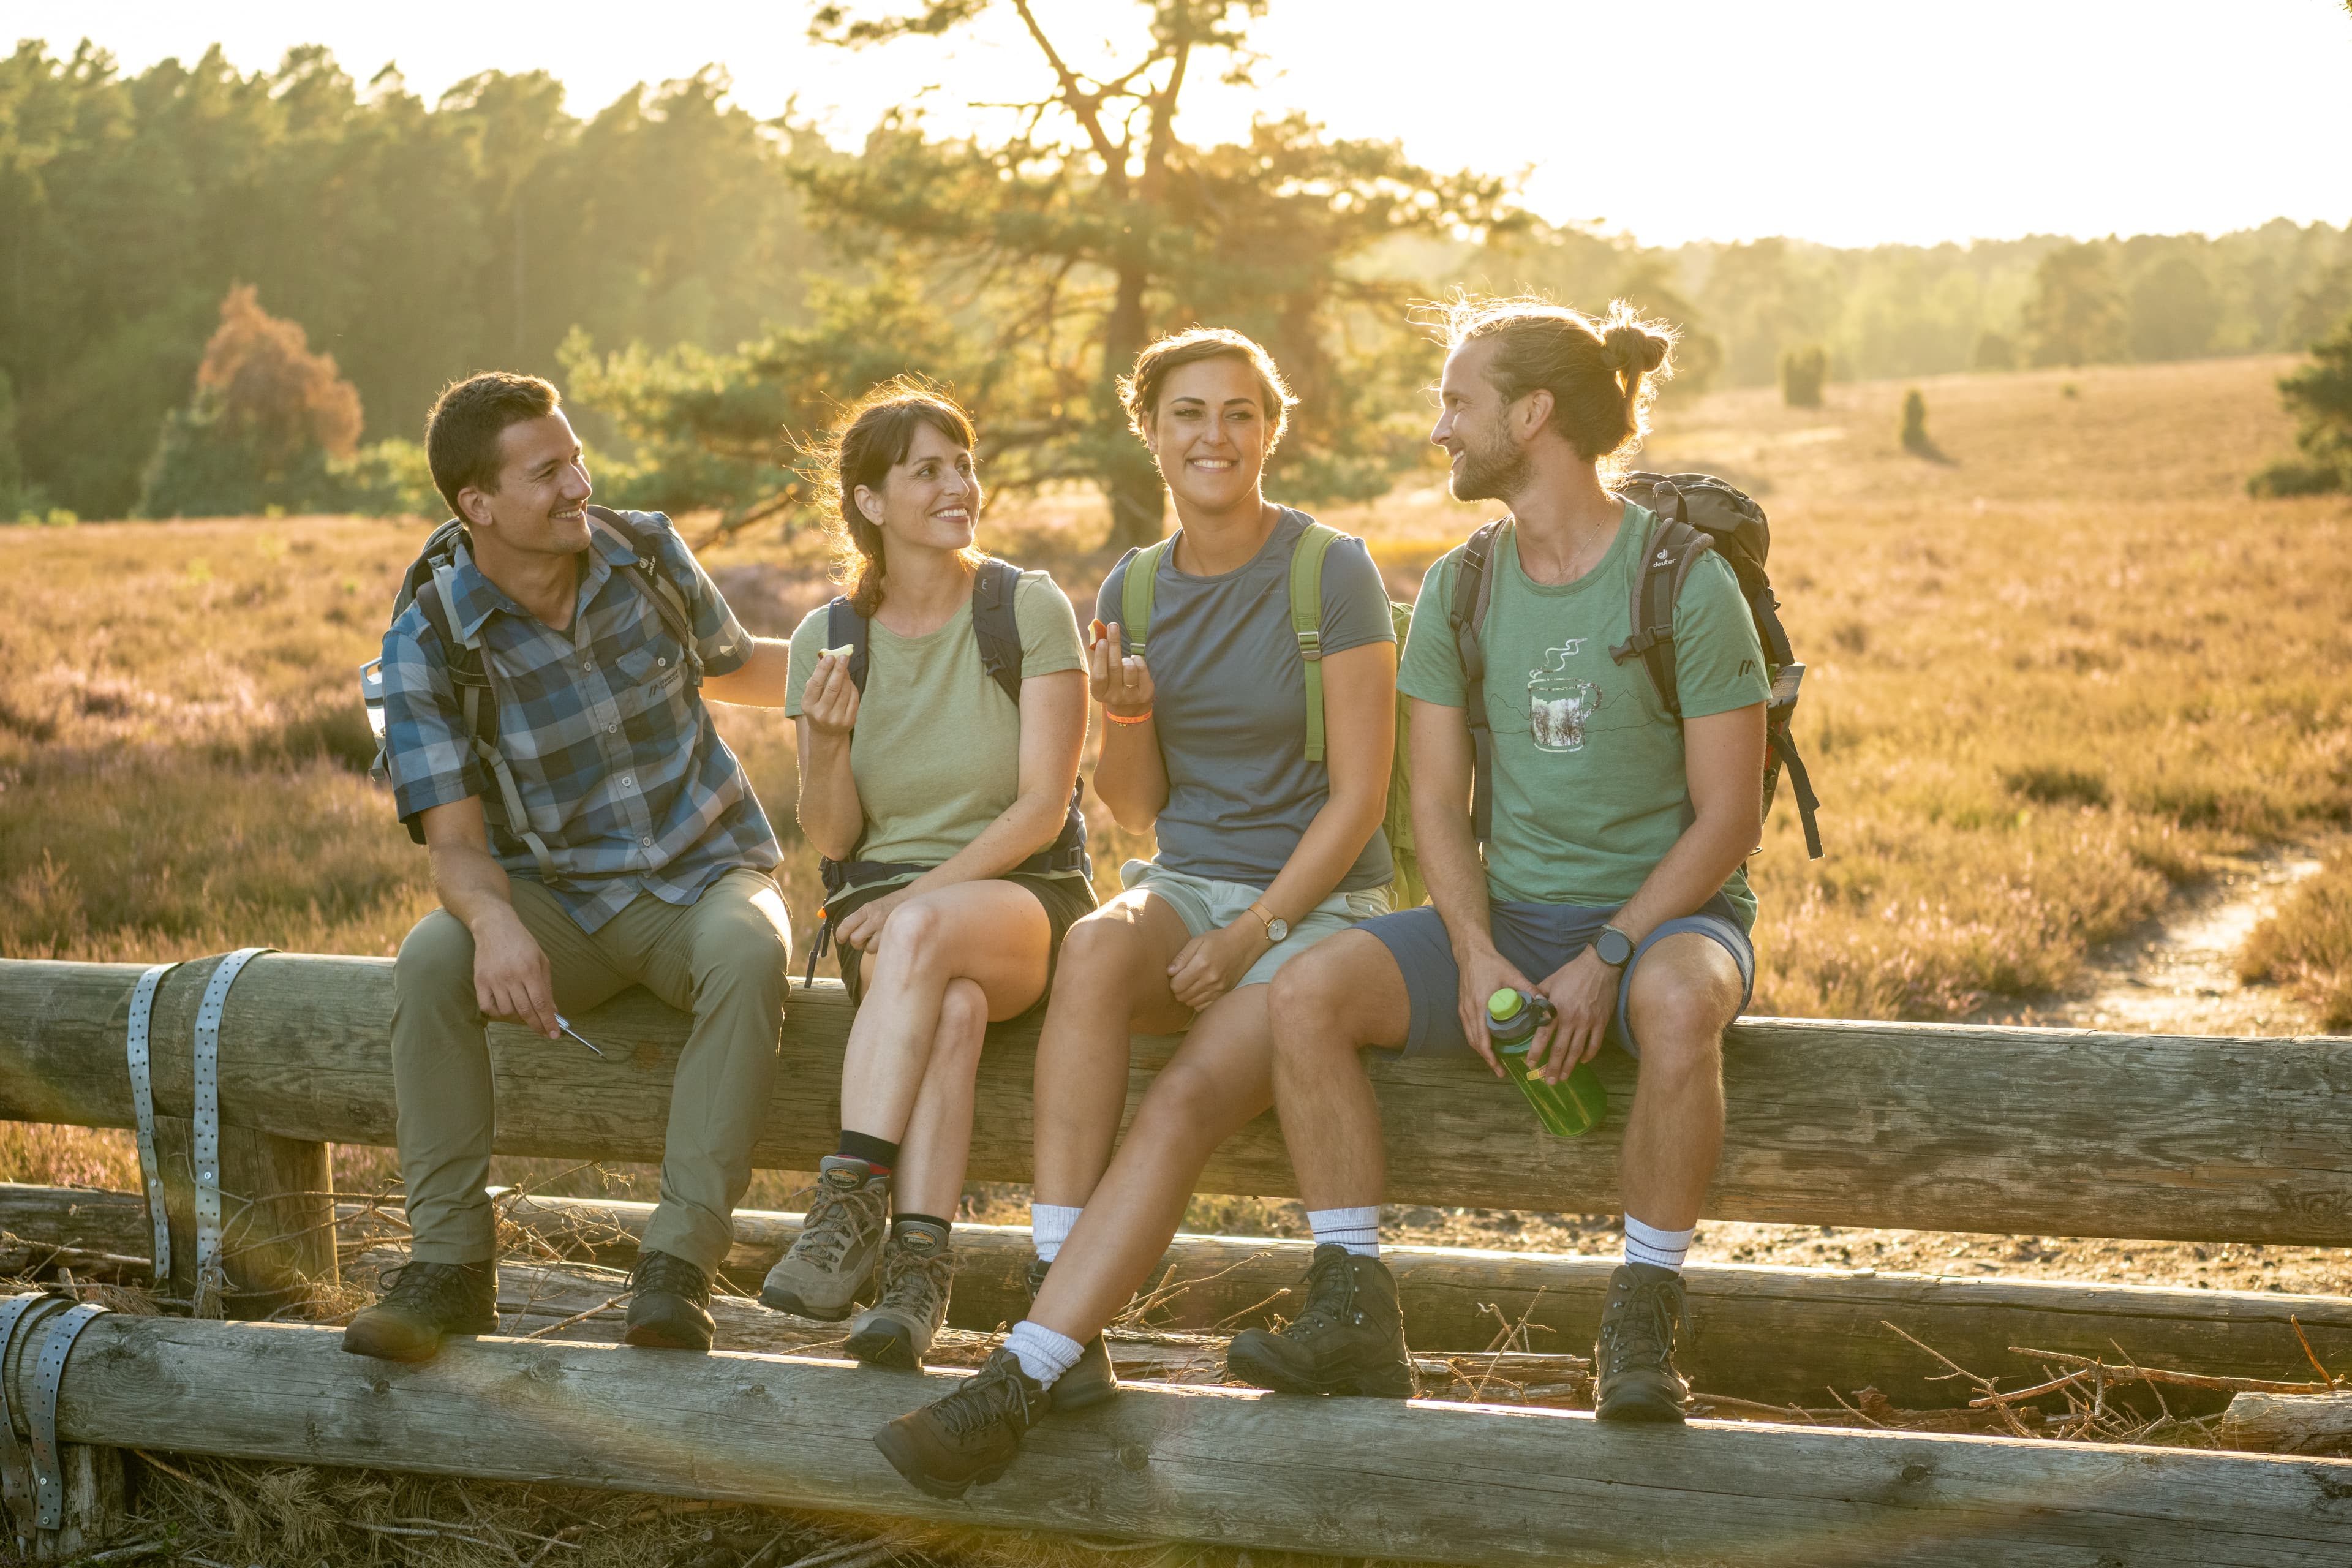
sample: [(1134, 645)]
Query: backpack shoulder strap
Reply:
[(844, 627), (1672, 548), (668, 601), (1135, 592), (1473, 594), (994, 625), (469, 672), (1306, 621)]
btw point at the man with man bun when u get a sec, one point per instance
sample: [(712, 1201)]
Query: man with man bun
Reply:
[(1610, 882)]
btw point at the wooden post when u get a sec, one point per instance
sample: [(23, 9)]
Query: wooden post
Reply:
[(1449, 1483), (277, 1217)]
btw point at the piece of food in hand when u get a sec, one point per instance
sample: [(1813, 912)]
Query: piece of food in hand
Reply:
[(844, 651), (1095, 630)]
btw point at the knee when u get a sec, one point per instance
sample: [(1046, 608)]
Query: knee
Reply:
[(963, 1016), (437, 955), (914, 939), (746, 948), (1307, 1003), (1098, 956), (1186, 1096), (1681, 1030)]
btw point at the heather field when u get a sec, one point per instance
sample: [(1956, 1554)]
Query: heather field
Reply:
[(2053, 676)]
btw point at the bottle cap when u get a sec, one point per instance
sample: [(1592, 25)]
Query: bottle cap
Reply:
[(1504, 1004)]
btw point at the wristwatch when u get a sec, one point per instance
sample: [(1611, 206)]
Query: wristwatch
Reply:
[(1277, 928), (1615, 947)]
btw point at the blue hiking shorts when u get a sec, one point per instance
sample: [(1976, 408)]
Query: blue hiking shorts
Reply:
[(1538, 939)]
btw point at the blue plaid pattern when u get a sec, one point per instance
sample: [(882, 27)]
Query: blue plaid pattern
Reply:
[(614, 755)]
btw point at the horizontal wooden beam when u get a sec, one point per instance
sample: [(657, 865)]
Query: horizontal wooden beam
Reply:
[(2051, 1131), (1452, 1483), (1774, 1335)]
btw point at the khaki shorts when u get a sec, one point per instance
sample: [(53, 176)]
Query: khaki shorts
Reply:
[(1204, 905)]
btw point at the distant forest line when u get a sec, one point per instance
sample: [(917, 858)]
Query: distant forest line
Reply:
[(668, 256)]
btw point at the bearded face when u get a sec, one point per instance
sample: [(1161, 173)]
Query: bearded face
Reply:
[(1491, 465)]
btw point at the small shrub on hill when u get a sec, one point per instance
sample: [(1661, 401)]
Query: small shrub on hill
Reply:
[(2321, 393), (1802, 373)]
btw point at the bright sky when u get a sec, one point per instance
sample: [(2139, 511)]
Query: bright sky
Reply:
[(1848, 121)]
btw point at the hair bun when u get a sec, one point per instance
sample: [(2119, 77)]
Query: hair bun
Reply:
[(1626, 346)]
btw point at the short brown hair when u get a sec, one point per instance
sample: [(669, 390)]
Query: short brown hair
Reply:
[(1140, 390), (872, 436), (1602, 373), (461, 434)]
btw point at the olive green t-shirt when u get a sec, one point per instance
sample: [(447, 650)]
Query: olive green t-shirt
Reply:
[(1590, 791), (937, 749)]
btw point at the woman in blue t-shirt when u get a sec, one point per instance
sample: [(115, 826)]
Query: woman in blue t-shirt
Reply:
[(1264, 849)]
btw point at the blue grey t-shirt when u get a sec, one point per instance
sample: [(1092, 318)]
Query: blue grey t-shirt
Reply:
[(1229, 693)]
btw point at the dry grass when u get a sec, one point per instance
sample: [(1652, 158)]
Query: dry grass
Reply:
[(2307, 944)]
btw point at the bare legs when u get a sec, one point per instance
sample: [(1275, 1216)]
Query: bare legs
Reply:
[(1686, 993)]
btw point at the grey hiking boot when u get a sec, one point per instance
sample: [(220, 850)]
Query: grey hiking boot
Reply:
[(970, 1436), (917, 1269), (428, 1302), (1090, 1382), (1633, 1359), (839, 1240), (1347, 1338)]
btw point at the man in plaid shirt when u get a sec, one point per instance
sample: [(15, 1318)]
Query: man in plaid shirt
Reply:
[(643, 857)]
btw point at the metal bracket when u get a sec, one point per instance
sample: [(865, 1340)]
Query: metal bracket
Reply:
[(48, 1470), (18, 1314), (143, 1108), (207, 1137)]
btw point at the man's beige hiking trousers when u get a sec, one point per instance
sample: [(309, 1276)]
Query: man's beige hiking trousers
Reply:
[(723, 958)]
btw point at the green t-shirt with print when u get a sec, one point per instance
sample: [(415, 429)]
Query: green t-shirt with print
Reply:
[(937, 751), (1590, 789)]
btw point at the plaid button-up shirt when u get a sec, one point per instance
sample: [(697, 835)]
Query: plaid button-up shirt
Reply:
[(619, 768)]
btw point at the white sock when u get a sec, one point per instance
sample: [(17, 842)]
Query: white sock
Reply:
[(1659, 1249), (1043, 1354), (1049, 1226), (1357, 1229)]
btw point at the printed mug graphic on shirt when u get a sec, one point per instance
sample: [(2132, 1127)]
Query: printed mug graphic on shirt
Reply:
[(1559, 702)]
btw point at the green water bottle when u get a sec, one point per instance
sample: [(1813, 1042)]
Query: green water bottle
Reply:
[(1574, 1105)]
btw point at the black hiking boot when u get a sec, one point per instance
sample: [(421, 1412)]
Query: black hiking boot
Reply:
[(428, 1302), (1090, 1382), (669, 1304), (1347, 1338), (1633, 1359), (970, 1437)]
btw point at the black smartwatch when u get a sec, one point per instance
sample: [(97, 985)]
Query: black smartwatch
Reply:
[(1615, 947)]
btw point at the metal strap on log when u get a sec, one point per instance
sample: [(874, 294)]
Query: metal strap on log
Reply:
[(206, 1140), (142, 1106), (48, 1376), (18, 1314)]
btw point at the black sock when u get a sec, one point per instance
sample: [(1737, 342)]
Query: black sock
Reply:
[(880, 1154), (898, 1222)]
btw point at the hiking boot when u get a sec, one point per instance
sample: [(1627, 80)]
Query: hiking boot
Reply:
[(1347, 1338), (427, 1303), (971, 1436), (1091, 1381), (917, 1268), (828, 1265), (1633, 1359), (670, 1303)]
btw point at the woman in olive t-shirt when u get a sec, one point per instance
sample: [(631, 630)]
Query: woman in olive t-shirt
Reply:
[(949, 809)]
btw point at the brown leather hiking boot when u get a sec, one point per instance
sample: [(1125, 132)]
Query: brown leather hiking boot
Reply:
[(972, 1436), (428, 1302), (1633, 1358), (917, 1271), (1347, 1338), (669, 1304), (1090, 1382), (839, 1241)]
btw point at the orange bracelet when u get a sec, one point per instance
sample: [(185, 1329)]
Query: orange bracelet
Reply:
[(1120, 719)]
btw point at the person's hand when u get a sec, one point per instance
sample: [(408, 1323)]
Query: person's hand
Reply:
[(829, 701), (1118, 681), (512, 982), (1584, 990), (861, 928), (1206, 967), (1484, 973)]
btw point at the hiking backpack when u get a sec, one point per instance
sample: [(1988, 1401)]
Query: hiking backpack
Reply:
[(998, 632), (1405, 889), (1695, 512), (427, 584)]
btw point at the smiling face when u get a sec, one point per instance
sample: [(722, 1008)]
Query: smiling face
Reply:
[(1473, 426), (930, 499), (1209, 434), (539, 507)]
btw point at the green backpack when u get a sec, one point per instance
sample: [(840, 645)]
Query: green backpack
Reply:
[(1405, 890)]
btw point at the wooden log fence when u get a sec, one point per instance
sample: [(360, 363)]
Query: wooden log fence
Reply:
[(2047, 1132), (1449, 1483)]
